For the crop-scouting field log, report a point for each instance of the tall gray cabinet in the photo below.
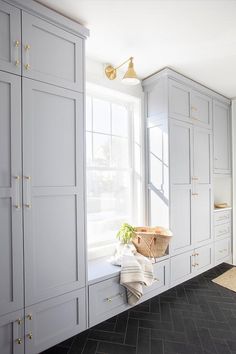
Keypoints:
(180, 115)
(42, 239)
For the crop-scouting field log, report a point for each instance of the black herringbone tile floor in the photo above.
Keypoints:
(197, 317)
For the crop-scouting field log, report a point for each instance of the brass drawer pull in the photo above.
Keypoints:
(109, 299)
(19, 341)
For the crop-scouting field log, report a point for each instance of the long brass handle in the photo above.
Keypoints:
(27, 57)
(17, 192)
(28, 194)
(17, 59)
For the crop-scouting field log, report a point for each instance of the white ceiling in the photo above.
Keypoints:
(195, 37)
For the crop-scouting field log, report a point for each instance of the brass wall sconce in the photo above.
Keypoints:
(130, 76)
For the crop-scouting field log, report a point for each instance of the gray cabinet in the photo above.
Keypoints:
(222, 137)
(201, 109)
(52, 321)
(11, 238)
(51, 54)
(12, 333)
(53, 191)
(10, 43)
(42, 249)
(189, 105)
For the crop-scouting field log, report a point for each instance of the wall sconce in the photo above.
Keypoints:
(130, 76)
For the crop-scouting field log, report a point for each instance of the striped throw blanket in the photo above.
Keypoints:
(136, 272)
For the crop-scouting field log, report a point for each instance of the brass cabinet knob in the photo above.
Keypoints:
(28, 206)
(195, 178)
(27, 66)
(109, 299)
(17, 62)
(29, 317)
(17, 177)
(28, 177)
(194, 193)
(17, 206)
(19, 341)
(27, 47)
(17, 44)
(30, 335)
(19, 321)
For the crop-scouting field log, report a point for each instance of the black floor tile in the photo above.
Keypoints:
(196, 317)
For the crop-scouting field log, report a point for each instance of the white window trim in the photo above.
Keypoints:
(133, 104)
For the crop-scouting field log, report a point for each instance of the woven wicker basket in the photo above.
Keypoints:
(152, 241)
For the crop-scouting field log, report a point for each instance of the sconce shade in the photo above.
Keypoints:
(130, 76)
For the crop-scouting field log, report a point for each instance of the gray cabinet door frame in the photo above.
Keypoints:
(222, 139)
(33, 192)
(11, 42)
(37, 63)
(10, 189)
(53, 321)
(13, 329)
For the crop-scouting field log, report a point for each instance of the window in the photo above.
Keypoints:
(113, 168)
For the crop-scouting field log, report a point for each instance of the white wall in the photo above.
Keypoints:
(234, 176)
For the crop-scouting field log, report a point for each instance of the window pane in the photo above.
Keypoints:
(120, 152)
(119, 120)
(108, 204)
(101, 150)
(101, 116)
(88, 113)
(89, 152)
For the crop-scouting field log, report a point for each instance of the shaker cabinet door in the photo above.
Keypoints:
(12, 333)
(179, 101)
(11, 237)
(202, 204)
(201, 109)
(222, 138)
(51, 54)
(53, 321)
(10, 39)
(202, 156)
(53, 191)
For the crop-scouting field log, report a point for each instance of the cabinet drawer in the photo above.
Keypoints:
(203, 258)
(222, 230)
(162, 276)
(106, 299)
(222, 249)
(181, 267)
(222, 217)
(52, 321)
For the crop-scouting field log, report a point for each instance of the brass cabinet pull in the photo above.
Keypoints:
(193, 108)
(19, 321)
(28, 203)
(109, 299)
(27, 47)
(17, 192)
(30, 335)
(17, 45)
(27, 66)
(194, 193)
(195, 178)
(19, 341)
(29, 317)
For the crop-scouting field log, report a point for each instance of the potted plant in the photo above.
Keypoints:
(126, 233)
